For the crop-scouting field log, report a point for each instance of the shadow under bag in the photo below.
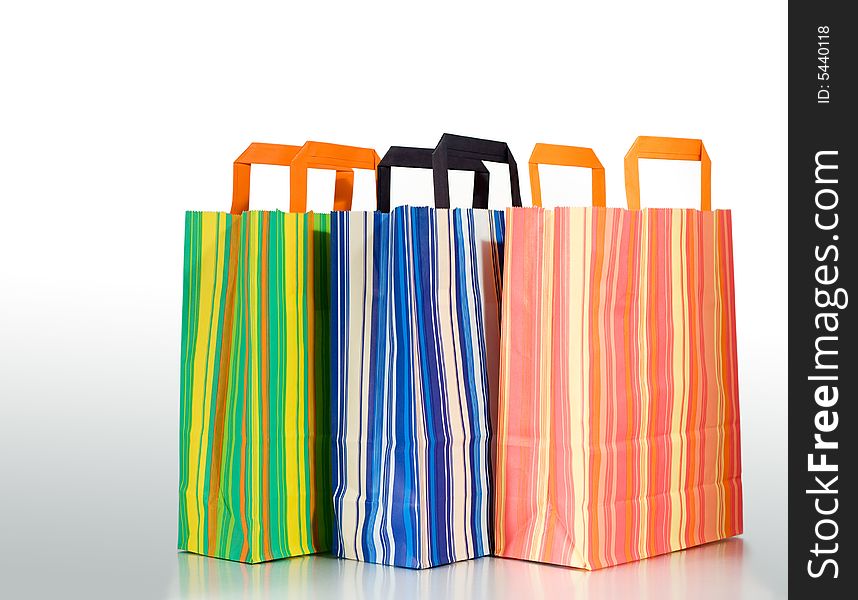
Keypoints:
(414, 331)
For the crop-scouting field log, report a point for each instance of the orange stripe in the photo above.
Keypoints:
(223, 383)
(629, 537)
(595, 385)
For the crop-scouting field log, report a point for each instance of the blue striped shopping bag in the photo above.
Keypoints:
(415, 327)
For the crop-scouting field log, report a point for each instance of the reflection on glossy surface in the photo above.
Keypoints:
(326, 577)
(712, 571)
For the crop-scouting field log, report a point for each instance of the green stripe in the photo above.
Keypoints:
(302, 272)
(278, 542)
(322, 290)
(184, 391)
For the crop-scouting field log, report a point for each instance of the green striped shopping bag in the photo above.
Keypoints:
(254, 443)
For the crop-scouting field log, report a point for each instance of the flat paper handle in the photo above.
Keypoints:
(566, 156)
(668, 149)
(282, 156)
(460, 146)
(421, 158)
(321, 155)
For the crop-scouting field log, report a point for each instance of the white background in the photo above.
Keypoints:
(115, 118)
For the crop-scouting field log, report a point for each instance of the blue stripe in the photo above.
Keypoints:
(339, 370)
(376, 395)
(405, 499)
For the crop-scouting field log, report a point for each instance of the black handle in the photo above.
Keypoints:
(452, 147)
(421, 158)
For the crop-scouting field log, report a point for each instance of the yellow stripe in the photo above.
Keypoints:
(301, 377)
(293, 345)
(198, 394)
(220, 233)
(678, 391)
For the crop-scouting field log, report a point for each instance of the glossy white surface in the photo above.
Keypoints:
(719, 570)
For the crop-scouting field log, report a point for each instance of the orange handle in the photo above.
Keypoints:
(321, 155)
(668, 149)
(566, 156)
(279, 155)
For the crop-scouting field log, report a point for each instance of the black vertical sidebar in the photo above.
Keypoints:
(823, 432)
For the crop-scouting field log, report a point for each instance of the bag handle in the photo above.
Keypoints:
(668, 149)
(460, 146)
(321, 155)
(421, 158)
(566, 156)
(280, 155)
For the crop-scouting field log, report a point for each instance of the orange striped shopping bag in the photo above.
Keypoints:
(618, 427)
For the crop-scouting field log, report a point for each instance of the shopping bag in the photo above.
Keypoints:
(618, 427)
(254, 439)
(414, 342)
